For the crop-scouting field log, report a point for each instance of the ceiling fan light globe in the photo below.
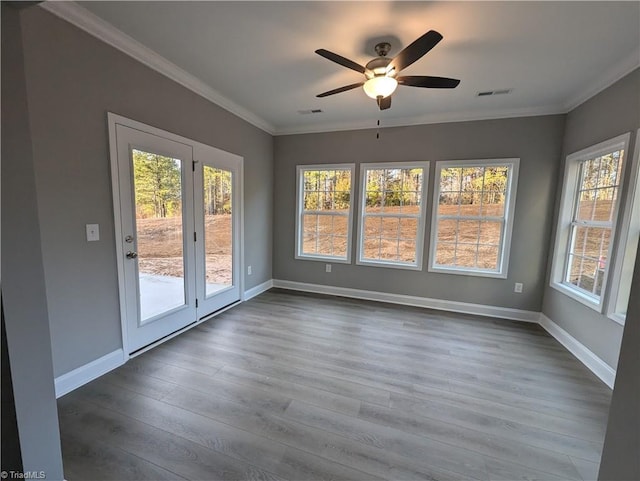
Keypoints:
(380, 87)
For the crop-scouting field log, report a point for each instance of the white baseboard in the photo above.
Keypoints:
(84, 374)
(596, 365)
(257, 290)
(443, 305)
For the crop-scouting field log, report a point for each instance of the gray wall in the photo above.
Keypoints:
(23, 288)
(620, 460)
(537, 141)
(612, 112)
(73, 80)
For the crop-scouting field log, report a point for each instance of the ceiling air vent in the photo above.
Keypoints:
(488, 93)
(310, 111)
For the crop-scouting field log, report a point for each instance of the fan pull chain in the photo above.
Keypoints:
(378, 130)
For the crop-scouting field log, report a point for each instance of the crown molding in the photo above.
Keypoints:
(95, 26)
(439, 118)
(610, 76)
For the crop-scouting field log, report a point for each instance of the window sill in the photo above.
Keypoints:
(391, 265)
(335, 260)
(618, 318)
(468, 272)
(576, 295)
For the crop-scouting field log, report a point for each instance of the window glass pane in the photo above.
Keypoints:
(391, 212)
(586, 274)
(586, 205)
(591, 242)
(340, 225)
(390, 227)
(325, 244)
(158, 191)
(311, 201)
(487, 257)
(218, 228)
(609, 170)
(450, 180)
(490, 233)
(468, 231)
(373, 201)
(493, 203)
(408, 228)
(391, 199)
(470, 203)
(326, 191)
(407, 251)
(309, 244)
(340, 245)
(473, 238)
(389, 249)
(466, 255)
(309, 223)
(449, 203)
(372, 226)
(605, 200)
(447, 230)
(445, 255)
(371, 248)
(590, 174)
(470, 178)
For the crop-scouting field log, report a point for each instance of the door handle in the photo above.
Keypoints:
(132, 255)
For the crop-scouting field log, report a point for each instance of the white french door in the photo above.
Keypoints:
(178, 227)
(217, 201)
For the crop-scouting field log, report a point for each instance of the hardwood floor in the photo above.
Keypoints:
(291, 386)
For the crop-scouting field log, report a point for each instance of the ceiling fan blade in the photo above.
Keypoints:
(428, 82)
(340, 89)
(415, 50)
(385, 103)
(339, 59)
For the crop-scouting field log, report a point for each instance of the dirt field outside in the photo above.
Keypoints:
(160, 247)
(467, 243)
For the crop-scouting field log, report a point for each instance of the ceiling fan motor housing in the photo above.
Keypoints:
(378, 68)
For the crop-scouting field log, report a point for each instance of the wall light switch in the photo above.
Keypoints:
(327, 267)
(518, 287)
(249, 270)
(93, 232)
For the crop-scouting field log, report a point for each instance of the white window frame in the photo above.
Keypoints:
(565, 218)
(627, 246)
(300, 169)
(417, 265)
(509, 207)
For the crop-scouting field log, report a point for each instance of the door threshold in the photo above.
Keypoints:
(166, 338)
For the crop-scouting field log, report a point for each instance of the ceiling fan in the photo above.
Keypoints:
(381, 73)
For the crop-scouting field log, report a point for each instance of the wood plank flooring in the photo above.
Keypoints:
(292, 386)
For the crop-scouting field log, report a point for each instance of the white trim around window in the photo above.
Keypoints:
(324, 212)
(627, 246)
(472, 236)
(574, 222)
(391, 220)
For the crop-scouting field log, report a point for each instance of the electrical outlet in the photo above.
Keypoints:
(518, 287)
(327, 267)
(249, 271)
(93, 232)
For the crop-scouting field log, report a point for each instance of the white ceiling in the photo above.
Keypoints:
(257, 58)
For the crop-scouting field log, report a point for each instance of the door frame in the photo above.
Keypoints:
(116, 187)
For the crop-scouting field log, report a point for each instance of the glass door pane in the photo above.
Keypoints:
(218, 229)
(159, 233)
